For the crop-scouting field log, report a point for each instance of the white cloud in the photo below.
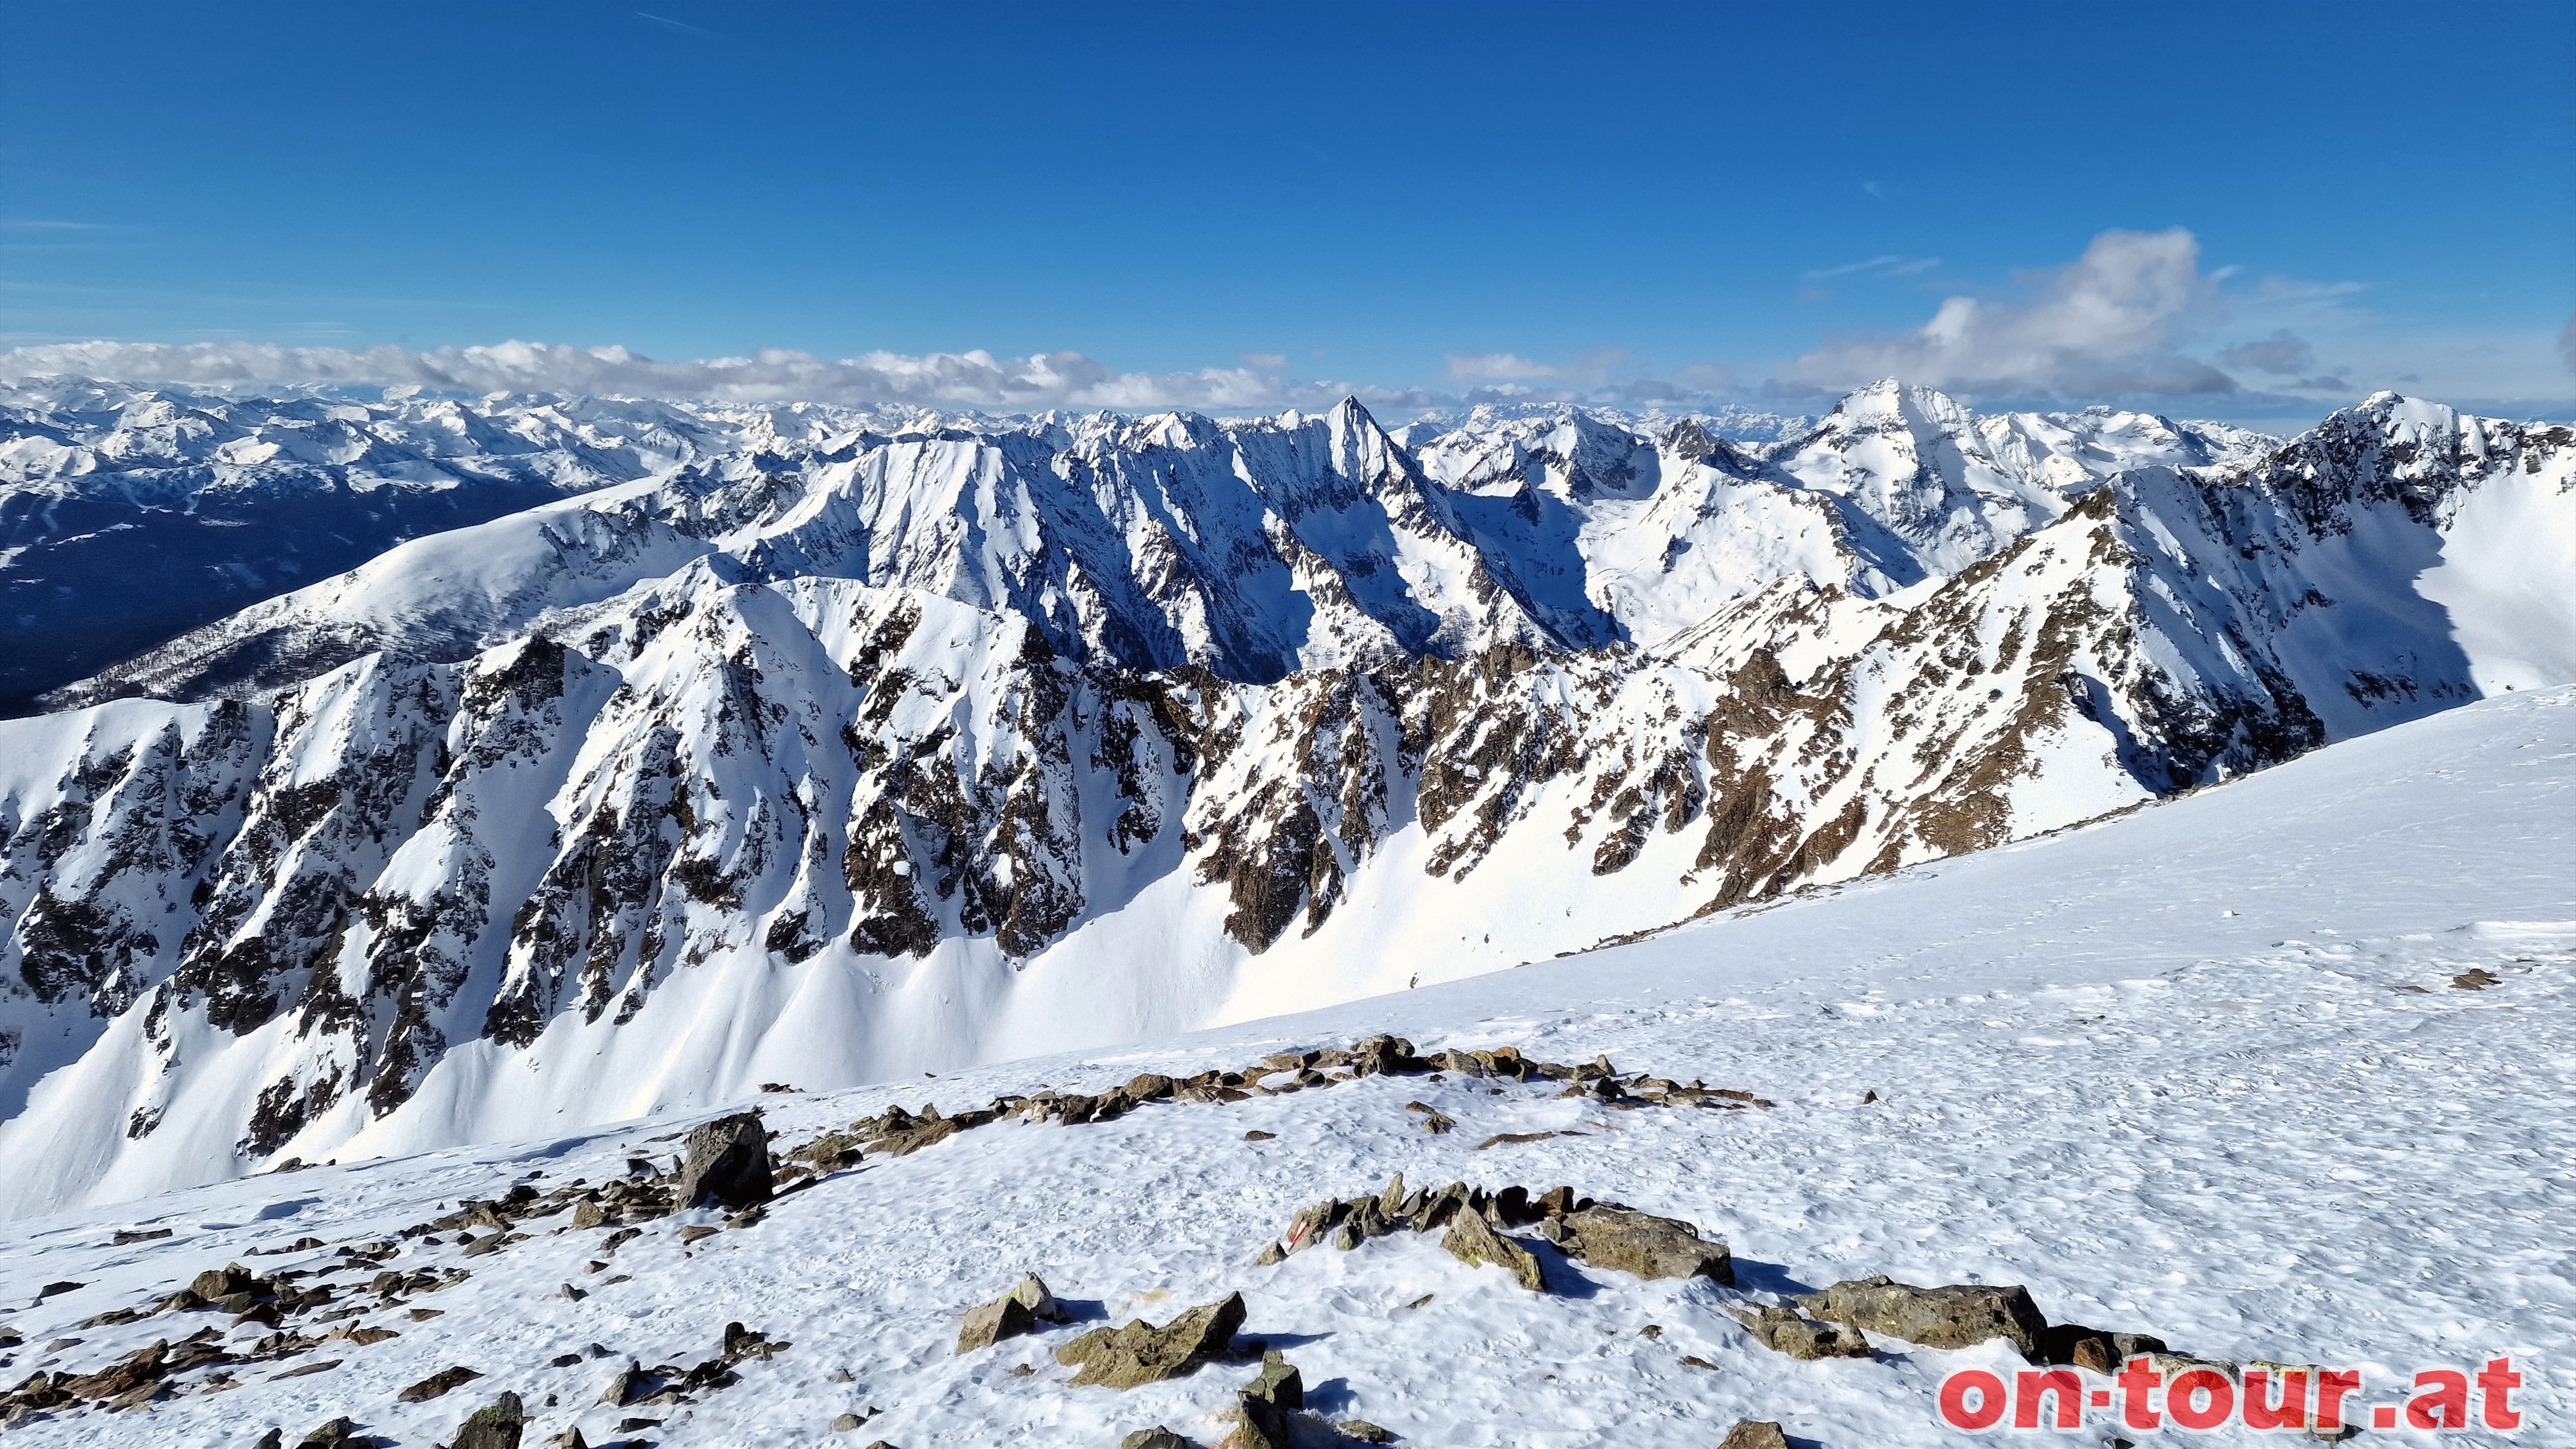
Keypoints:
(1499, 367)
(1890, 266)
(957, 379)
(2106, 323)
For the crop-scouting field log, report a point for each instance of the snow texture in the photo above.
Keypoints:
(2200, 1071)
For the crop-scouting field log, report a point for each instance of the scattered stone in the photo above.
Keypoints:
(273, 1439)
(1004, 1317)
(1123, 1358)
(1784, 1331)
(1472, 1242)
(570, 1438)
(725, 1161)
(1506, 1139)
(1695, 1361)
(51, 1290)
(1271, 1256)
(1754, 1434)
(1956, 1316)
(438, 1383)
(625, 1388)
(1364, 1432)
(1264, 1406)
(219, 1283)
(695, 1234)
(496, 1425)
(844, 1423)
(339, 1433)
(1255, 1135)
(324, 1366)
(1157, 1437)
(1648, 1246)
(2476, 978)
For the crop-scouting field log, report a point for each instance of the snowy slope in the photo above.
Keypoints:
(2201, 1071)
(223, 501)
(857, 769)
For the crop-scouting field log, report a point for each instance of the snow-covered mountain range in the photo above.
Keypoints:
(829, 748)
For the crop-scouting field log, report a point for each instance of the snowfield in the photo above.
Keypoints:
(2200, 1071)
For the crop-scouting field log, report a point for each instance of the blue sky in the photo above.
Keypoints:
(2231, 211)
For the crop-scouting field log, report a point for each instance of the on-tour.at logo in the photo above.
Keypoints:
(2316, 1400)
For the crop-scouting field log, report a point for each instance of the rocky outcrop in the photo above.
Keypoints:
(1958, 1316)
(1140, 1353)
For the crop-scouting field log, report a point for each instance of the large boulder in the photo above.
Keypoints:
(725, 1161)
(1956, 1316)
(1140, 1353)
(1648, 1246)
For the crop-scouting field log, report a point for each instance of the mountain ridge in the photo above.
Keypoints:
(784, 782)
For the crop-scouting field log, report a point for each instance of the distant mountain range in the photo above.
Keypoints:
(887, 742)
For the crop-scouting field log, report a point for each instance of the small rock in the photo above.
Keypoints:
(1263, 1407)
(1754, 1434)
(568, 1439)
(1123, 1358)
(626, 1387)
(1157, 1437)
(691, 1235)
(438, 1383)
(725, 1161)
(2476, 978)
(1364, 1431)
(575, 1294)
(589, 1214)
(339, 1433)
(273, 1439)
(1271, 1256)
(1470, 1240)
(846, 1422)
(1255, 1135)
(1783, 1331)
(1004, 1317)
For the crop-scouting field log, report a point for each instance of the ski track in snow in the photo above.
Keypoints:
(2198, 1072)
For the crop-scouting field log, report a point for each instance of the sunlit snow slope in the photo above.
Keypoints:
(2205, 1071)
